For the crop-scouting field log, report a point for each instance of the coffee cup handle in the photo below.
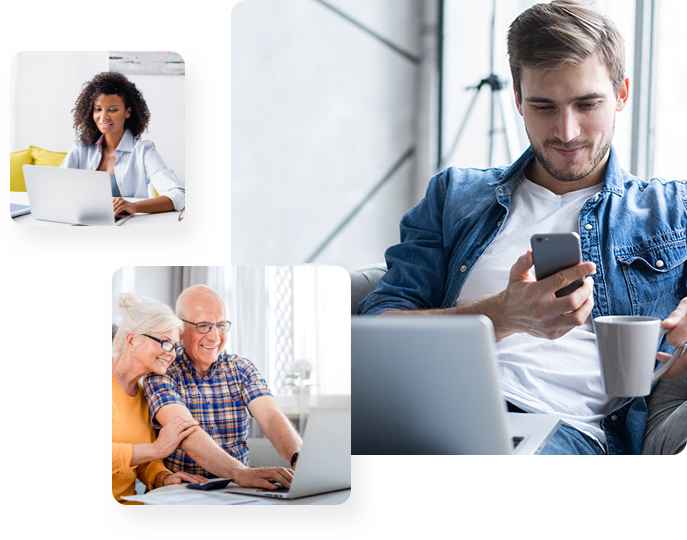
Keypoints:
(677, 354)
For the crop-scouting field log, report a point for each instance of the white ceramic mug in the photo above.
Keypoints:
(627, 348)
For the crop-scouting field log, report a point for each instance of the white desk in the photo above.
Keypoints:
(163, 218)
(167, 495)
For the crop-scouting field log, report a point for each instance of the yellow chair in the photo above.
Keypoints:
(152, 192)
(32, 156)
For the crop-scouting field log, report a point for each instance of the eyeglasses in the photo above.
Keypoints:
(205, 327)
(167, 345)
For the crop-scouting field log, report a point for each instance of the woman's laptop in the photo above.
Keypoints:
(324, 461)
(72, 196)
(429, 385)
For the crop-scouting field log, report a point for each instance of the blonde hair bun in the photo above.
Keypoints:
(128, 301)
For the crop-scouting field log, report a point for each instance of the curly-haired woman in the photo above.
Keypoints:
(109, 117)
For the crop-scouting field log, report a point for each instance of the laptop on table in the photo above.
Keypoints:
(74, 196)
(429, 386)
(324, 462)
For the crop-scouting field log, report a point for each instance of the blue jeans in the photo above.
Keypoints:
(566, 441)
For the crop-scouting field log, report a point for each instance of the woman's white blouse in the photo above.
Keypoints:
(137, 164)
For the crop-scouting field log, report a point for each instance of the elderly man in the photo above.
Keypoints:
(215, 388)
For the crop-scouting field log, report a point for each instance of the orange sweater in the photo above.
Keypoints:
(130, 425)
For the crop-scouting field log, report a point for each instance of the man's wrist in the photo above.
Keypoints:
(499, 317)
(294, 458)
(160, 478)
(235, 469)
(493, 307)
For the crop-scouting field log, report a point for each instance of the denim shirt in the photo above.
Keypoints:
(633, 230)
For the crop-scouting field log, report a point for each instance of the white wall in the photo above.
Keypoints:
(320, 112)
(44, 89)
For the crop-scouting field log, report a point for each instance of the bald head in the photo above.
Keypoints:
(197, 295)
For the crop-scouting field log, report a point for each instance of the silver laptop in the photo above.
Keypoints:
(71, 196)
(324, 462)
(429, 385)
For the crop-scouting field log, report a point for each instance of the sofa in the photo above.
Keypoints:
(44, 158)
(32, 156)
(363, 282)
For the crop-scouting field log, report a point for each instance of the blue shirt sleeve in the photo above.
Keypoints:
(416, 274)
(253, 385)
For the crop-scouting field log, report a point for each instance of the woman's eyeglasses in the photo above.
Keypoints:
(167, 345)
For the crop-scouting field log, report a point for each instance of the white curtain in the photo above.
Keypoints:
(184, 277)
(321, 329)
(245, 294)
(123, 280)
(321, 323)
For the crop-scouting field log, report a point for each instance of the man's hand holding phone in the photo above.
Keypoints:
(531, 306)
(548, 307)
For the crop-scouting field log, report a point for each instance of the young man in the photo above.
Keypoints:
(458, 244)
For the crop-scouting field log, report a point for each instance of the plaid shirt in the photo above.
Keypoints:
(217, 401)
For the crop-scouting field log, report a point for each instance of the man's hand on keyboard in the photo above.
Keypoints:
(263, 477)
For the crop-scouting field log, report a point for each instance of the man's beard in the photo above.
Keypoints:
(570, 175)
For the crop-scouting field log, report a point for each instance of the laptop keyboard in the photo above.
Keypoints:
(280, 489)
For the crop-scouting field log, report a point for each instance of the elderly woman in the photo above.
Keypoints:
(145, 342)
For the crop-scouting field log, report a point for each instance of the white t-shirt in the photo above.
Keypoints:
(560, 376)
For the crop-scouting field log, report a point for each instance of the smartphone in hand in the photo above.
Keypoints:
(555, 252)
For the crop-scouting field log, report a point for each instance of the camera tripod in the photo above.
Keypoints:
(499, 99)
